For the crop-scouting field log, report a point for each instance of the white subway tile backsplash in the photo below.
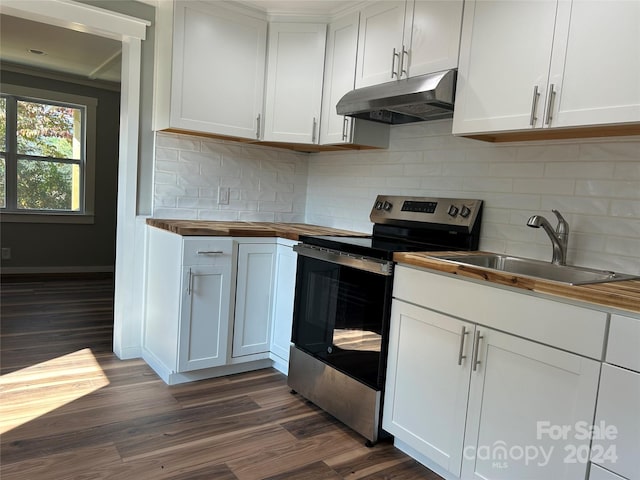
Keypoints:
(178, 142)
(516, 170)
(254, 175)
(595, 183)
(568, 204)
(591, 170)
(625, 208)
(627, 171)
(609, 188)
(544, 186)
(610, 151)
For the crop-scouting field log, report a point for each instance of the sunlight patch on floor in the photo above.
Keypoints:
(34, 391)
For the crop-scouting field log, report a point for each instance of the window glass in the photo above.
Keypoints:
(3, 182)
(3, 124)
(48, 185)
(49, 130)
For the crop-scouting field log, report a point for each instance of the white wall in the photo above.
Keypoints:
(595, 183)
(266, 184)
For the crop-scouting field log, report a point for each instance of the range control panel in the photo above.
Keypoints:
(443, 211)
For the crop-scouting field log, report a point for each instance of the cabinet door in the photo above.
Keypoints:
(522, 395)
(428, 382)
(595, 67)
(218, 70)
(286, 266)
(204, 316)
(432, 36)
(294, 82)
(380, 43)
(505, 53)
(618, 401)
(254, 294)
(339, 78)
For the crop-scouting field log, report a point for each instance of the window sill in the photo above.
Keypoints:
(15, 217)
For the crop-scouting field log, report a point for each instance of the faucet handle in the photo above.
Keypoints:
(563, 226)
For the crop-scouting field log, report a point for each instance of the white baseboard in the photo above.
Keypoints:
(60, 269)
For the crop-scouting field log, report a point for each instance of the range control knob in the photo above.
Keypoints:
(378, 205)
(465, 212)
(387, 206)
(453, 210)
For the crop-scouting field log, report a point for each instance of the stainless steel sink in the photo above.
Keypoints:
(527, 267)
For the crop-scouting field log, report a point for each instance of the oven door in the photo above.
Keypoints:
(341, 312)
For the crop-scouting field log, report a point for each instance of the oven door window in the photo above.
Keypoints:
(340, 315)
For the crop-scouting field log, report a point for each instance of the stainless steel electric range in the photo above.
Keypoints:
(343, 302)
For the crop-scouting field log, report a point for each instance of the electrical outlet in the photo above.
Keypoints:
(6, 253)
(223, 195)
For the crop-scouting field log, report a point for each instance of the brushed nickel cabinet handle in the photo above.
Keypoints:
(476, 347)
(552, 97)
(462, 335)
(258, 128)
(534, 106)
(209, 252)
(393, 63)
(314, 128)
(345, 122)
(189, 289)
(403, 70)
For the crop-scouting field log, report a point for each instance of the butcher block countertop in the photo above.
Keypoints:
(624, 295)
(291, 231)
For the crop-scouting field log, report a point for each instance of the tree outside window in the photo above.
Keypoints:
(42, 162)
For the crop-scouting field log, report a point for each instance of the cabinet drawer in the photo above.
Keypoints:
(207, 250)
(624, 340)
(618, 401)
(569, 327)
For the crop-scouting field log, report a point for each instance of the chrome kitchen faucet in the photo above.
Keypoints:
(559, 237)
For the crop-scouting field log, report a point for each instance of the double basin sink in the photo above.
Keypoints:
(526, 267)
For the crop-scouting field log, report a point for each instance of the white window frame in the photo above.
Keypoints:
(86, 215)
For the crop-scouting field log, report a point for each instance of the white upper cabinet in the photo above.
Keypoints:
(405, 39)
(380, 43)
(504, 65)
(217, 73)
(339, 77)
(294, 82)
(595, 67)
(431, 36)
(547, 63)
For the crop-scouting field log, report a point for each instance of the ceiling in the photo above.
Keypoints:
(97, 58)
(63, 50)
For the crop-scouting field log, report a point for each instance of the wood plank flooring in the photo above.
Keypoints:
(69, 409)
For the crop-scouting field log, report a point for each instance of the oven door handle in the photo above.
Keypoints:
(359, 262)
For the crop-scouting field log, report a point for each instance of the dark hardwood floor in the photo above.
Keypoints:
(71, 410)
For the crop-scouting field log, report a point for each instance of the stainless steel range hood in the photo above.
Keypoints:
(416, 99)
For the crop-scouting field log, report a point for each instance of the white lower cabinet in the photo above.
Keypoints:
(217, 305)
(286, 266)
(254, 297)
(188, 303)
(204, 316)
(522, 394)
(473, 402)
(428, 382)
(616, 443)
(598, 473)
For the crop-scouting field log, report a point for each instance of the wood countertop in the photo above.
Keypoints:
(291, 231)
(624, 295)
